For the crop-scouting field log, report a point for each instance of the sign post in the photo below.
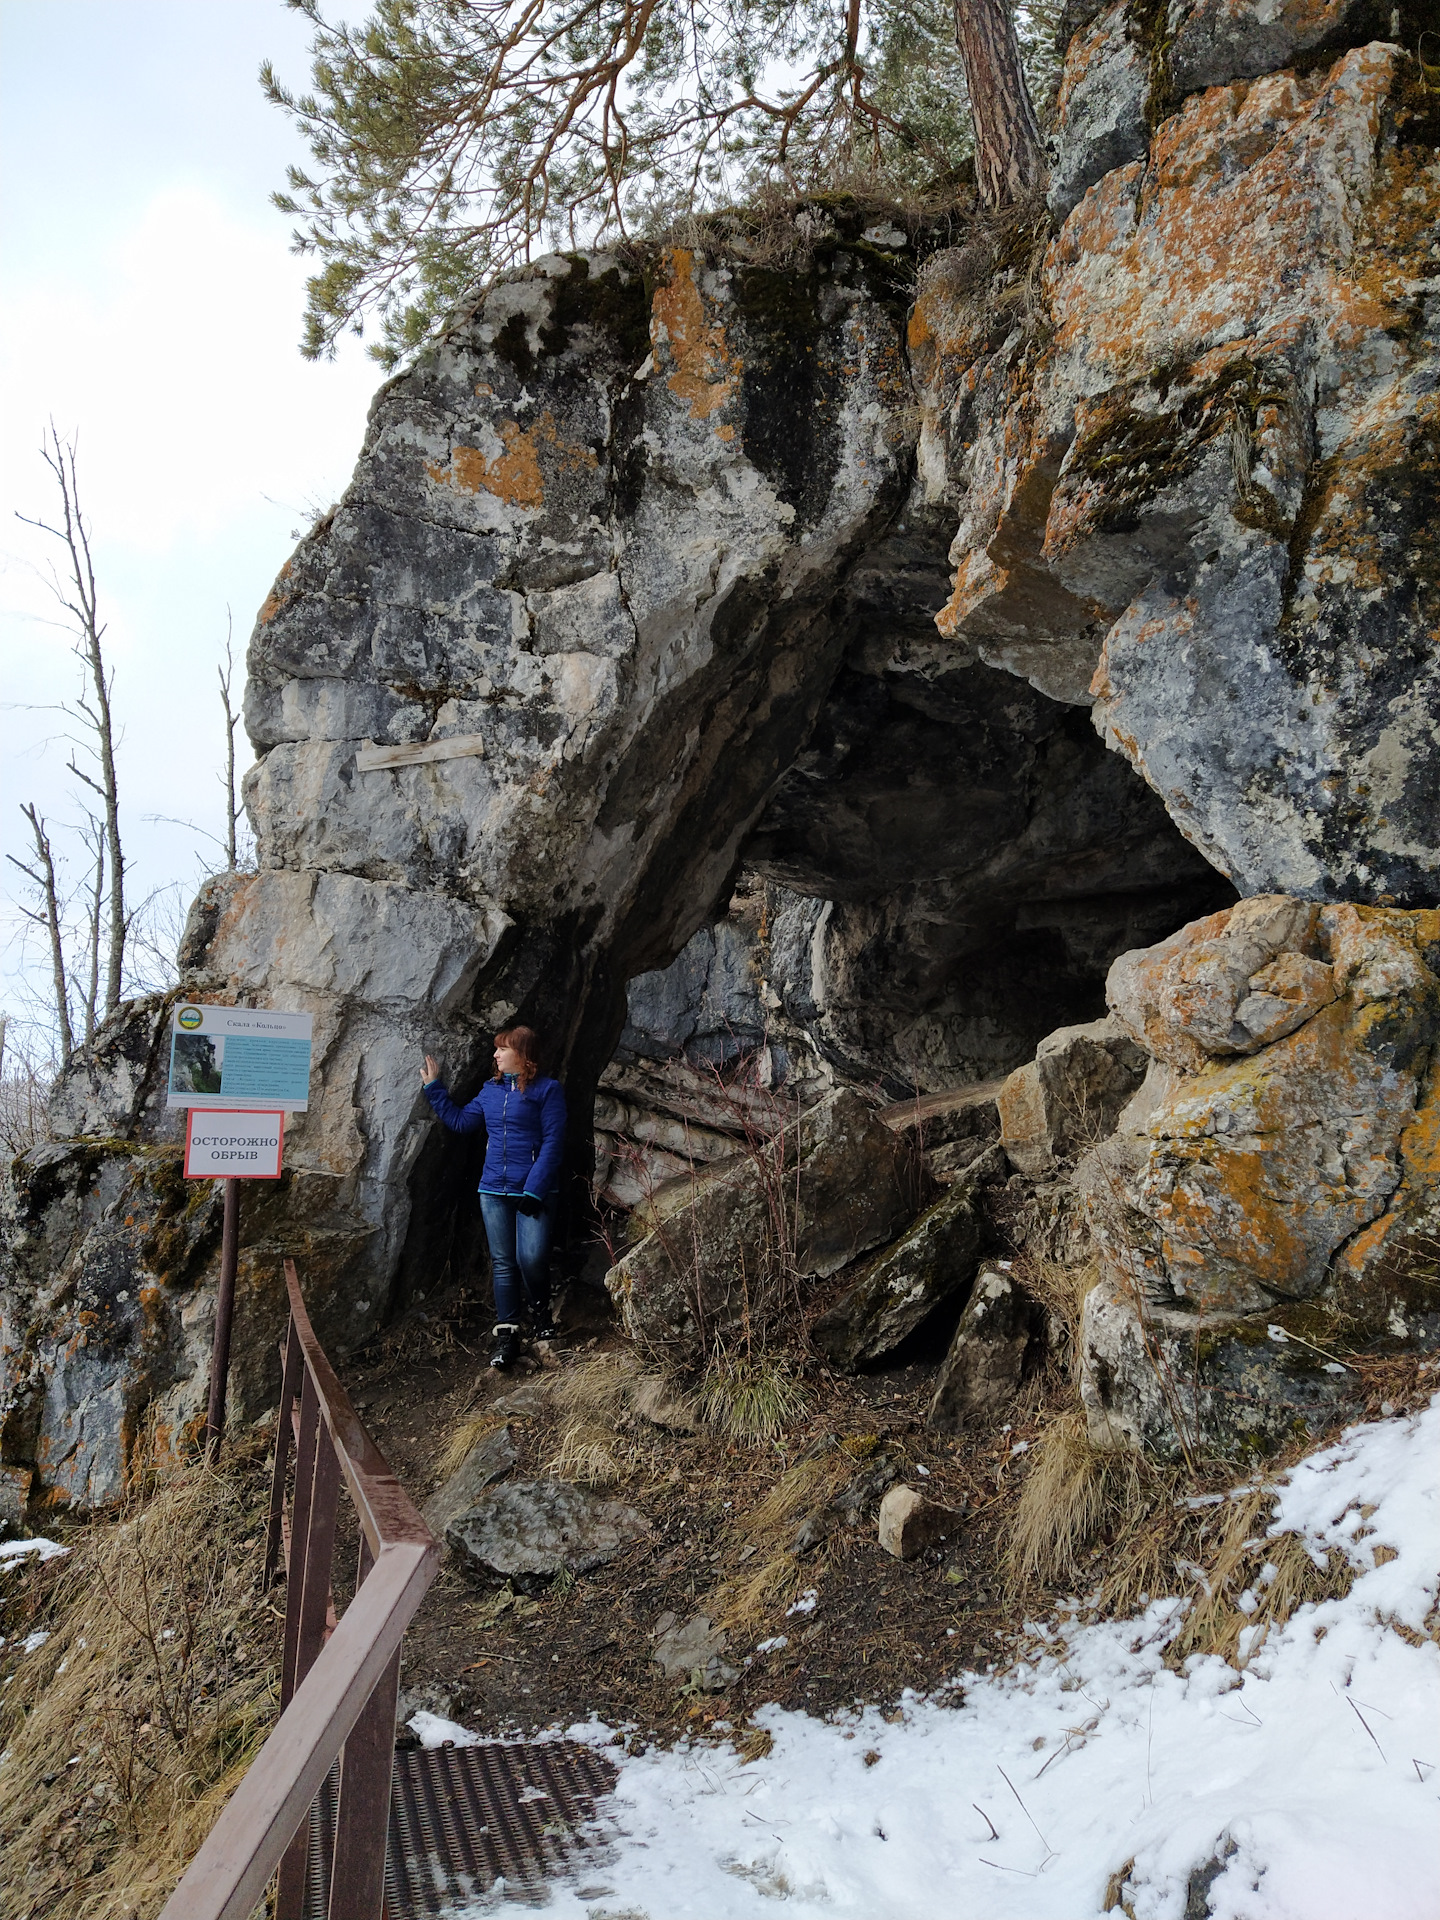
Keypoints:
(239, 1070)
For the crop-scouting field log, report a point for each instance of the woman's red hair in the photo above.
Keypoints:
(526, 1042)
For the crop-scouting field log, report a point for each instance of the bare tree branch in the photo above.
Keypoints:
(49, 916)
(232, 720)
(81, 600)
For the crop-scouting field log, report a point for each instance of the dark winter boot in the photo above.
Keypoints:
(507, 1344)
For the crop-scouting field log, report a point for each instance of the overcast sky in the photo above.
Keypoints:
(149, 302)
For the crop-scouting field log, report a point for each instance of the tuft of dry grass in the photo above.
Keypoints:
(128, 1730)
(598, 1388)
(598, 1444)
(748, 1603)
(1129, 1530)
(1061, 1291)
(752, 1400)
(1071, 1492)
(596, 1455)
(806, 1485)
(462, 1441)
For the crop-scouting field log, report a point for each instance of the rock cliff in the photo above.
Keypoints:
(996, 597)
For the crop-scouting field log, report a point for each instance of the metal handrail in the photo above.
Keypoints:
(340, 1681)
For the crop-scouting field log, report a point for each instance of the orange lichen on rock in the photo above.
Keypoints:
(512, 476)
(275, 599)
(515, 475)
(1159, 258)
(1259, 1158)
(706, 373)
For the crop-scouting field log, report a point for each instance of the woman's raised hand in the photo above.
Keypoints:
(430, 1071)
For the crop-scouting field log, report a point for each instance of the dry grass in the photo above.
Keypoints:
(127, 1731)
(598, 1389)
(800, 1489)
(1071, 1493)
(746, 1604)
(1128, 1530)
(753, 1400)
(1275, 1575)
(462, 1442)
(1061, 1291)
(598, 1444)
(597, 1455)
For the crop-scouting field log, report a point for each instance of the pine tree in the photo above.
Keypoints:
(453, 138)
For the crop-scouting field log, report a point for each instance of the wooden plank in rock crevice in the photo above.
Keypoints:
(416, 753)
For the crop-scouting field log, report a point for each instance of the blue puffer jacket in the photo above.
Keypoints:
(525, 1131)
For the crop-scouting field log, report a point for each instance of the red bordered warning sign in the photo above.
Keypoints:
(222, 1145)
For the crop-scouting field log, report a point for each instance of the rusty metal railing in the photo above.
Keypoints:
(340, 1678)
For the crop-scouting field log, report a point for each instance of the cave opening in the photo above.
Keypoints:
(942, 875)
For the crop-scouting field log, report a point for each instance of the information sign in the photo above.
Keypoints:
(233, 1146)
(247, 1059)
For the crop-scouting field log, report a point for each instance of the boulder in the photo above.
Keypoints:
(999, 1332)
(930, 1264)
(693, 1652)
(1243, 1166)
(1069, 1096)
(934, 1120)
(1168, 1382)
(490, 1459)
(724, 1244)
(909, 1522)
(532, 1530)
(1229, 983)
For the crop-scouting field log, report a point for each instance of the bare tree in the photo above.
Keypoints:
(1009, 152)
(48, 915)
(76, 592)
(232, 720)
(93, 835)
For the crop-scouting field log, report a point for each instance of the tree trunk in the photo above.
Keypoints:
(1009, 152)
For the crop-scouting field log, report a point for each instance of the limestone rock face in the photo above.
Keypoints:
(1069, 1096)
(1205, 504)
(635, 585)
(1101, 109)
(927, 1266)
(1213, 41)
(837, 1180)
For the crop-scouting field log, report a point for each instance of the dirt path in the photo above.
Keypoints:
(500, 1661)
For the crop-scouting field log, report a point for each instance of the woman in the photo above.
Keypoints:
(523, 1114)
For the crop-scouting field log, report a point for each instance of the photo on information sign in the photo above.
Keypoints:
(196, 1063)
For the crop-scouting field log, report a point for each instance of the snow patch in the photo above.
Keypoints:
(1309, 1780)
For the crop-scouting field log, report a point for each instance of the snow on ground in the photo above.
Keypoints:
(19, 1549)
(1319, 1765)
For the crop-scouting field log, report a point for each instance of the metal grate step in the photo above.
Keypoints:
(463, 1819)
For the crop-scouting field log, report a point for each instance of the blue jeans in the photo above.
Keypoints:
(519, 1254)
